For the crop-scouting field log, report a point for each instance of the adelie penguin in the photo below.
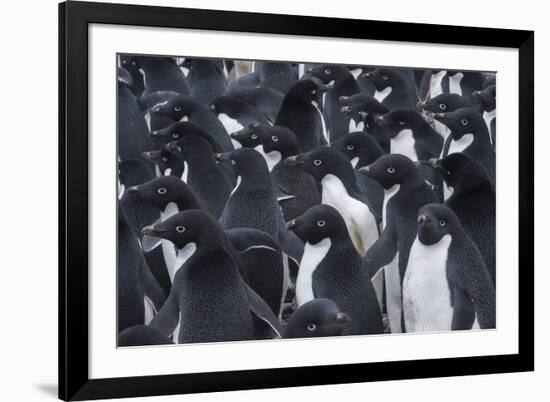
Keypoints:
(446, 285)
(316, 318)
(331, 268)
(209, 301)
(469, 135)
(487, 98)
(206, 78)
(344, 84)
(300, 113)
(130, 65)
(473, 201)
(392, 89)
(339, 189)
(405, 192)
(186, 109)
(161, 75)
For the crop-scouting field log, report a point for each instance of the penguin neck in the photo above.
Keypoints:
(347, 176)
(272, 158)
(255, 179)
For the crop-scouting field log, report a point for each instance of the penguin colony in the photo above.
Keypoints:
(266, 200)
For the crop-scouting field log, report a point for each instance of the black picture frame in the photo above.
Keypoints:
(74, 18)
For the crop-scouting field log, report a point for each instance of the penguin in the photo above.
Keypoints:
(446, 285)
(252, 202)
(331, 268)
(487, 99)
(249, 80)
(441, 104)
(266, 101)
(365, 86)
(235, 114)
(363, 112)
(275, 75)
(186, 109)
(160, 74)
(339, 189)
(148, 102)
(142, 335)
(316, 318)
(405, 192)
(209, 301)
(129, 65)
(344, 84)
(206, 78)
(464, 83)
(182, 129)
(473, 201)
(166, 163)
(296, 190)
(470, 136)
(202, 174)
(362, 150)
(392, 90)
(300, 113)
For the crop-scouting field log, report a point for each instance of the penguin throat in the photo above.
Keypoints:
(461, 144)
(272, 158)
(313, 255)
(354, 161)
(170, 209)
(182, 255)
(231, 125)
(383, 94)
(403, 143)
(388, 194)
(355, 126)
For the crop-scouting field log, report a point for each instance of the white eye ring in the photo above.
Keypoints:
(390, 170)
(213, 107)
(233, 162)
(175, 135)
(133, 63)
(321, 223)
(313, 91)
(311, 327)
(161, 191)
(124, 61)
(317, 162)
(401, 123)
(254, 136)
(328, 71)
(275, 138)
(442, 223)
(180, 229)
(385, 77)
(442, 106)
(350, 147)
(177, 108)
(464, 122)
(165, 158)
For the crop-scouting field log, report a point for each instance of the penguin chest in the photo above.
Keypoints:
(231, 125)
(489, 117)
(383, 94)
(355, 125)
(272, 158)
(460, 145)
(359, 219)
(312, 257)
(403, 143)
(388, 195)
(426, 292)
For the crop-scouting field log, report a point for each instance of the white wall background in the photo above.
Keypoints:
(28, 157)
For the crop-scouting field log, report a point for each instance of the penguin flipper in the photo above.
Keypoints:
(463, 310)
(167, 318)
(151, 287)
(380, 253)
(261, 310)
(140, 335)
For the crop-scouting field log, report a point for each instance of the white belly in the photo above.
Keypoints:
(312, 257)
(435, 84)
(231, 125)
(383, 94)
(359, 219)
(442, 129)
(489, 117)
(454, 84)
(388, 194)
(149, 310)
(323, 124)
(393, 294)
(426, 293)
(185, 173)
(403, 143)
(461, 144)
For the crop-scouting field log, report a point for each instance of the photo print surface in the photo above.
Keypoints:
(264, 200)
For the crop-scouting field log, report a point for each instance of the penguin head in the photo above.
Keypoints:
(318, 317)
(125, 77)
(363, 106)
(443, 103)
(309, 90)
(243, 161)
(130, 64)
(278, 138)
(163, 190)
(462, 173)
(248, 137)
(487, 97)
(359, 145)
(190, 144)
(320, 162)
(383, 78)
(389, 170)
(328, 73)
(180, 130)
(436, 221)
(227, 105)
(162, 158)
(177, 108)
(317, 223)
(193, 226)
(462, 121)
(400, 119)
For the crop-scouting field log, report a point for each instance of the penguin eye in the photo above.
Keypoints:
(175, 135)
(390, 170)
(401, 123)
(313, 91)
(179, 149)
(161, 191)
(464, 122)
(328, 71)
(350, 147)
(180, 229)
(311, 327)
(442, 223)
(133, 63)
(317, 162)
(177, 108)
(123, 61)
(254, 136)
(275, 138)
(165, 158)
(213, 107)
(233, 162)
(321, 223)
(442, 106)
(385, 77)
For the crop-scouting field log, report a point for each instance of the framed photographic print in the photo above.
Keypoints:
(257, 201)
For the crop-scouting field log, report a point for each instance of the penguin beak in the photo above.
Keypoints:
(172, 146)
(342, 318)
(343, 99)
(442, 117)
(152, 231)
(147, 155)
(436, 163)
(310, 70)
(422, 220)
(421, 105)
(294, 160)
(365, 171)
(221, 157)
(345, 109)
(476, 93)
(326, 87)
(368, 76)
(290, 224)
(380, 120)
